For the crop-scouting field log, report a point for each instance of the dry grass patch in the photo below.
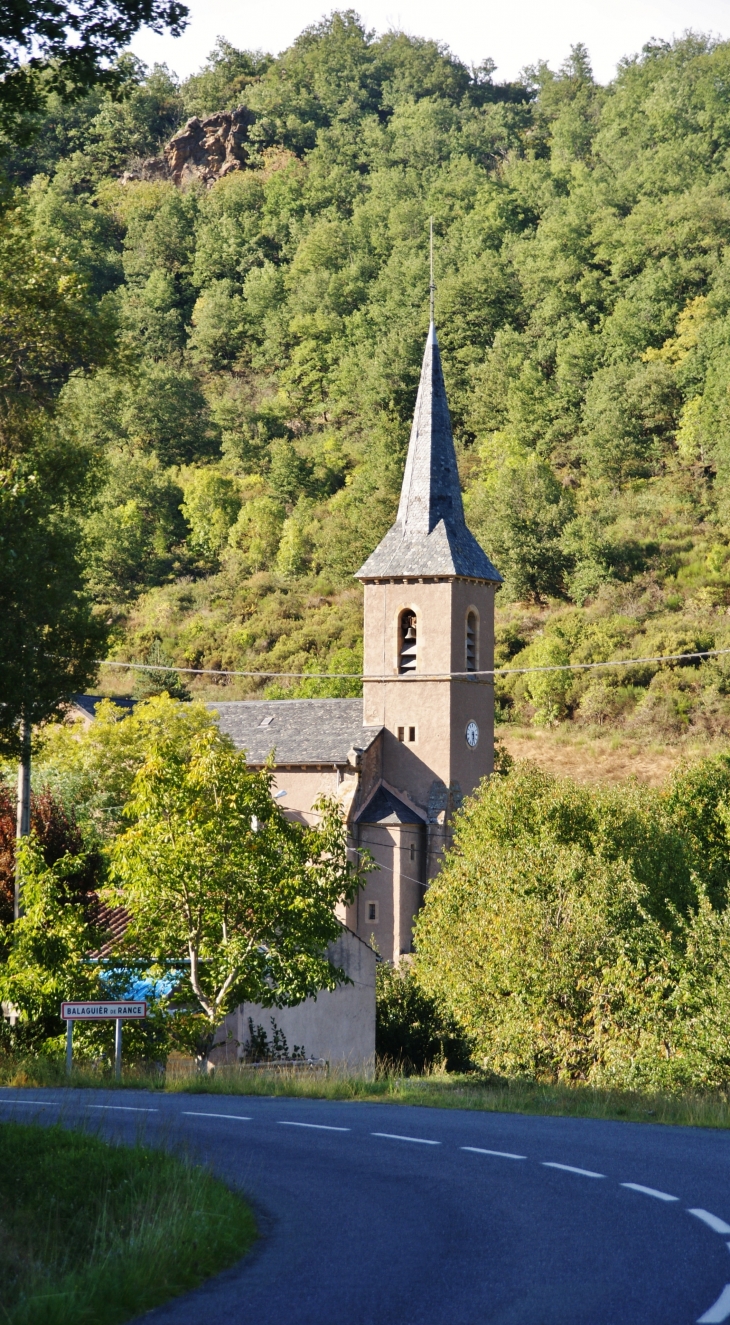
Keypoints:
(606, 759)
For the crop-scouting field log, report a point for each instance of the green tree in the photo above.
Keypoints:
(214, 876)
(219, 328)
(571, 935)
(74, 46)
(410, 1032)
(256, 534)
(93, 767)
(133, 529)
(630, 413)
(159, 677)
(224, 80)
(211, 508)
(530, 509)
(50, 324)
(50, 640)
(547, 690)
(45, 952)
(48, 956)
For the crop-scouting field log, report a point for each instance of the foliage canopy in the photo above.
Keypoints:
(248, 438)
(582, 935)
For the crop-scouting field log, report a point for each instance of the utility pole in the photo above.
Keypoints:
(23, 820)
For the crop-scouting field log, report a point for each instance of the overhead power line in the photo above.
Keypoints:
(214, 671)
(688, 656)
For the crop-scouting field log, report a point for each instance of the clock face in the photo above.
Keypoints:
(472, 734)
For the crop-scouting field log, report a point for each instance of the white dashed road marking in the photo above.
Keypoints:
(712, 1221)
(123, 1108)
(568, 1168)
(419, 1140)
(317, 1127)
(502, 1154)
(201, 1113)
(29, 1104)
(719, 1311)
(649, 1191)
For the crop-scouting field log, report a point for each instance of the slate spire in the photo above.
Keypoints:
(430, 536)
(430, 489)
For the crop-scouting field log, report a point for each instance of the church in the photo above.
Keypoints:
(401, 759)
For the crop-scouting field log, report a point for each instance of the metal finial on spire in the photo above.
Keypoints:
(432, 286)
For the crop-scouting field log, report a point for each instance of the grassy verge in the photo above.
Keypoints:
(439, 1091)
(469, 1092)
(93, 1234)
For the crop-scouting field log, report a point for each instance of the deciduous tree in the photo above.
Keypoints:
(73, 45)
(215, 878)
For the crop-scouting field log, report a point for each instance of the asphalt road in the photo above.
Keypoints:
(376, 1214)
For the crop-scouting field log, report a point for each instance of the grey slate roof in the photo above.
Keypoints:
(385, 808)
(300, 731)
(88, 704)
(430, 536)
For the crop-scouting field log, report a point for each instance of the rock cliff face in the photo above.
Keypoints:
(203, 150)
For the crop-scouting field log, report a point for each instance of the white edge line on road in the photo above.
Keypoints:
(569, 1168)
(197, 1113)
(502, 1154)
(649, 1191)
(712, 1221)
(36, 1104)
(123, 1108)
(317, 1127)
(719, 1310)
(419, 1140)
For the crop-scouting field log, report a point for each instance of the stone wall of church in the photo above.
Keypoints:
(383, 912)
(425, 713)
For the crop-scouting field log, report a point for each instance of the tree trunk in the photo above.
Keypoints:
(23, 820)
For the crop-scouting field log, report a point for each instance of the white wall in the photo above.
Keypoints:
(337, 1025)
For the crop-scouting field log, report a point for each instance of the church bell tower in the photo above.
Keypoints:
(429, 635)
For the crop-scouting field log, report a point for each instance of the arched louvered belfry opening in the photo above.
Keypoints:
(472, 641)
(407, 642)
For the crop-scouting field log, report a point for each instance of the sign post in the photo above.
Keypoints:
(118, 1048)
(118, 1012)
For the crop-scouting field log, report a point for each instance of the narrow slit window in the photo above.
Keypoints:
(411, 733)
(413, 851)
(407, 643)
(401, 733)
(372, 913)
(472, 642)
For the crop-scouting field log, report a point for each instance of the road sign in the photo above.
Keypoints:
(130, 1010)
(103, 1011)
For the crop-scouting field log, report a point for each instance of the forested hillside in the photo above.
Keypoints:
(248, 432)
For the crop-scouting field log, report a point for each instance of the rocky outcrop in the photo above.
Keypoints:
(203, 150)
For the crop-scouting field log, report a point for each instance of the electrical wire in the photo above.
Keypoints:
(214, 671)
(696, 654)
